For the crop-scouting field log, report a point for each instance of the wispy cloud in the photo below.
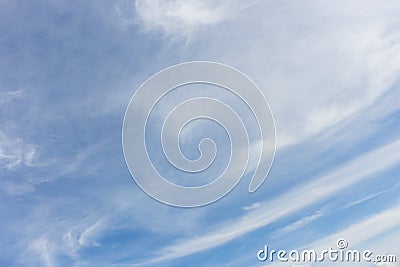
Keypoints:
(301, 222)
(289, 202)
(364, 230)
(15, 152)
(336, 68)
(88, 235)
(181, 18)
(44, 249)
(8, 96)
(324, 67)
(372, 196)
(253, 206)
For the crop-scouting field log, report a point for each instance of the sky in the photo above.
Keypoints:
(330, 71)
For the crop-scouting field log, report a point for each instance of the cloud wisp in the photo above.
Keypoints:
(181, 18)
(289, 202)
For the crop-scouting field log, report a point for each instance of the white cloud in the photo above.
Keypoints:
(180, 18)
(356, 202)
(81, 160)
(362, 231)
(9, 96)
(288, 202)
(316, 71)
(70, 244)
(300, 223)
(317, 64)
(15, 152)
(376, 233)
(45, 249)
(49, 247)
(88, 236)
(253, 206)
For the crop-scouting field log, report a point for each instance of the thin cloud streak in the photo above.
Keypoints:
(180, 19)
(364, 230)
(321, 188)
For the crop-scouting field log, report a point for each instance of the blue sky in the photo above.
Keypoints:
(330, 71)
